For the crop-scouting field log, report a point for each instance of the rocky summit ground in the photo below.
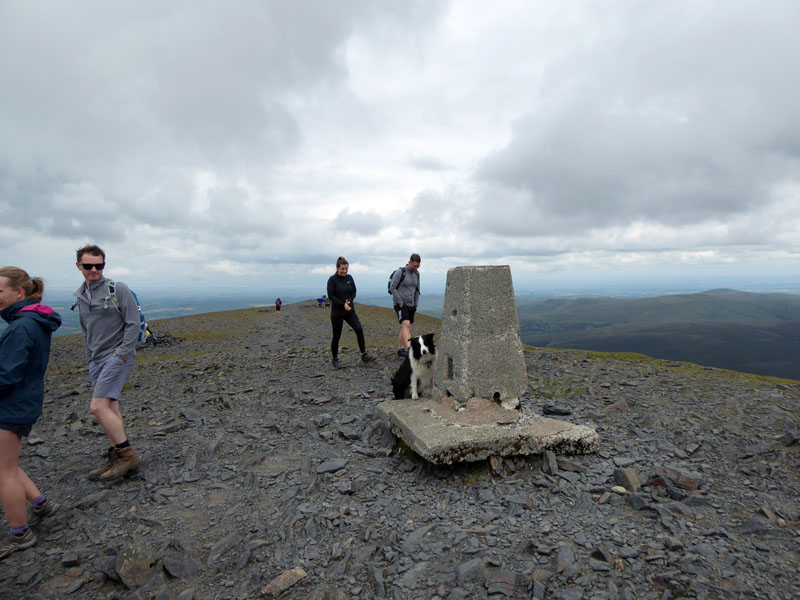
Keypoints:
(265, 473)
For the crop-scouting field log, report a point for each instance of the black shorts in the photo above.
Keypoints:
(405, 313)
(21, 429)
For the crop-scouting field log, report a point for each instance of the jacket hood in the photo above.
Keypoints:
(43, 314)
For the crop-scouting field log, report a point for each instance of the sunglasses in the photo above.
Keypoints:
(99, 266)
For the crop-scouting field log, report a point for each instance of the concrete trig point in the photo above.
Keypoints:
(480, 351)
(481, 365)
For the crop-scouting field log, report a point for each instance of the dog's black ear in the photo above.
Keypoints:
(427, 338)
(415, 343)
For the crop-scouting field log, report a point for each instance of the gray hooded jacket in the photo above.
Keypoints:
(106, 330)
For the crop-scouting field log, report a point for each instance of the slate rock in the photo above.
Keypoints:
(283, 582)
(72, 558)
(568, 465)
(549, 462)
(376, 576)
(754, 526)
(628, 478)
(502, 582)
(469, 570)
(552, 409)
(565, 557)
(222, 547)
(635, 501)
(331, 466)
(603, 552)
(135, 566)
(181, 567)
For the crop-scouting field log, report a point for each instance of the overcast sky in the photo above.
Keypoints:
(216, 144)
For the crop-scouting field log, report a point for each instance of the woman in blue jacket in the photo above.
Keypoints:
(24, 352)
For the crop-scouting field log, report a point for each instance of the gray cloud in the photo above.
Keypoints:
(674, 125)
(136, 102)
(221, 138)
(362, 223)
(427, 163)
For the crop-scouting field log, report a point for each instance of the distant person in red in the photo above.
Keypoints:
(342, 294)
(24, 354)
(278, 307)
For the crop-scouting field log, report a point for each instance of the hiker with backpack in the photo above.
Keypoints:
(111, 322)
(24, 354)
(404, 288)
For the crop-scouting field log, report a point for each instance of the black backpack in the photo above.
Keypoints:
(402, 276)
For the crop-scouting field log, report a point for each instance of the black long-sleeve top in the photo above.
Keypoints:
(339, 290)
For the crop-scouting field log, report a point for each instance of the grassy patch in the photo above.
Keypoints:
(630, 357)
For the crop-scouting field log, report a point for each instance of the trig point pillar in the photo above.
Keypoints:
(480, 350)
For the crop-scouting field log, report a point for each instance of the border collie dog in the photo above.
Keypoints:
(415, 375)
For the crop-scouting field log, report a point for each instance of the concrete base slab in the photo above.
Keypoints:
(442, 435)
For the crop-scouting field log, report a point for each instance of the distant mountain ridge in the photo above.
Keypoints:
(730, 329)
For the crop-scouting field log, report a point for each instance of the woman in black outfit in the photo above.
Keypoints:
(342, 292)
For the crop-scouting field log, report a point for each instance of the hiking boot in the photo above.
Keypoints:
(12, 543)
(111, 458)
(402, 353)
(37, 515)
(367, 357)
(335, 363)
(126, 459)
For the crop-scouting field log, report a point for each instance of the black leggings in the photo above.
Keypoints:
(352, 320)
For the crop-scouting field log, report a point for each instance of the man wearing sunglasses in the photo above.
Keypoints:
(110, 330)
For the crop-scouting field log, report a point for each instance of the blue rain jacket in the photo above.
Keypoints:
(24, 352)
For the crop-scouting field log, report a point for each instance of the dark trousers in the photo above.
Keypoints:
(352, 320)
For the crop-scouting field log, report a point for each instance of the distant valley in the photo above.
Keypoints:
(729, 329)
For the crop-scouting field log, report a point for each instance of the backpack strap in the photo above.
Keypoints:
(112, 293)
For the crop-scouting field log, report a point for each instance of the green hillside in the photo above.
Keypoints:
(742, 331)
(559, 315)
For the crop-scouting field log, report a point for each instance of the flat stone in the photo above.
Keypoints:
(71, 558)
(469, 570)
(603, 552)
(223, 546)
(755, 526)
(684, 479)
(135, 566)
(75, 586)
(635, 501)
(181, 567)
(431, 429)
(568, 465)
(569, 476)
(564, 558)
(556, 411)
(283, 582)
(502, 582)
(790, 437)
(331, 466)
